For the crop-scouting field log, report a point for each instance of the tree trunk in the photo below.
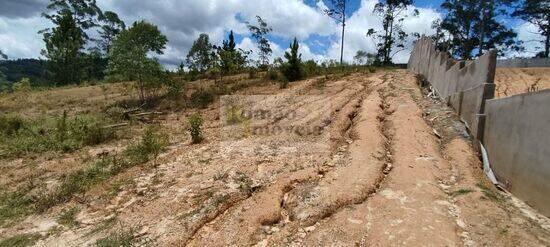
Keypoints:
(547, 45)
(482, 28)
(343, 33)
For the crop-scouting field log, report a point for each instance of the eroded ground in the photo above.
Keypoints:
(397, 170)
(512, 81)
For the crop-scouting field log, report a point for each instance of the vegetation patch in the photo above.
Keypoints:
(119, 238)
(20, 240)
(19, 136)
(152, 143)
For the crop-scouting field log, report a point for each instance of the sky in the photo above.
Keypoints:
(183, 20)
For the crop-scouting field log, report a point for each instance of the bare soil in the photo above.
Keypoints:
(512, 81)
(398, 170)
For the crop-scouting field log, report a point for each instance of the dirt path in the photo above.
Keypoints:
(385, 179)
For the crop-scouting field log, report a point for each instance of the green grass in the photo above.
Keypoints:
(120, 238)
(20, 240)
(13, 206)
(152, 143)
(489, 193)
(461, 192)
(67, 217)
(20, 136)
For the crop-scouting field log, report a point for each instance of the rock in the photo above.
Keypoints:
(309, 228)
(388, 168)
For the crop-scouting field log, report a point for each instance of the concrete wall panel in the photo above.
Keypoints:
(517, 140)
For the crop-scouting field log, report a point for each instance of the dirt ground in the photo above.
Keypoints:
(390, 167)
(512, 81)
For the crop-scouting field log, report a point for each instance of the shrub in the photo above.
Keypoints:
(371, 69)
(175, 90)
(24, 85)
(10, 124)
(273, 75)
(293, 68)
(152, 143)
(252, 73)
(283, 82)
(194, 128)
(202, 98)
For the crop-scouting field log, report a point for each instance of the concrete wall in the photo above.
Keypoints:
(517, 139)
(465, 85)
(524, 63)
(515, 131)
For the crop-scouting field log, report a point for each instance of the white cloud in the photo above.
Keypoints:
(531, 37)
(19, 37)
(364, 19)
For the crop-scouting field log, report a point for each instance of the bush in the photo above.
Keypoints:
(152, 143)
(273, 75)
(371, 69)
(18, 136)
(10, 124)
(175, 90)
(202, 98)
(194, 128)
(252, 73)
(24, 85)
(293, 68)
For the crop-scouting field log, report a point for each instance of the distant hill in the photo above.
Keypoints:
(33, 69)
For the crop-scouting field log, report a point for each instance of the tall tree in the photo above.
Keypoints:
(112, 26)
(391, 39)
(231, 59)
(128, 56)
(3, 81)
(201, 56)
(473, 25)
(537, 12)
(2, 55)
(338, 12)
(85, 14)
(63, 49)
(292, 68)
(259, 33)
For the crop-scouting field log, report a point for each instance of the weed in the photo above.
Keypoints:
(19, 136)
(202, 98)
(20, 240)
(152, 143)
(461, 192)
(67, 217)
(273, 75)
(14, 205)
(119, 238)
(489, 193)
(195, 124)
(150, 146)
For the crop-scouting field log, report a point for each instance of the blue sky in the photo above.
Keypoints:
(184, 20)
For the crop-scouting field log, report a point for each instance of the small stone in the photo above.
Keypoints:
(388, 168)
(309, 228)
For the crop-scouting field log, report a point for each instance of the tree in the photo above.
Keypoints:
(259, 33)
(292, 68)
(128, 56)
(201, 56)
(3, 81)
(338, 12)
(63, 47)
(231, 59)
(85, 14)
(391, 40)
(362, 58)
(472, 24)
(109, 30)
(537, 12)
